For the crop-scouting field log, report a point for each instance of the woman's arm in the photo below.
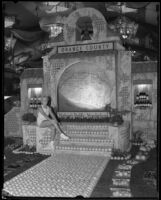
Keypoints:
(52, 115)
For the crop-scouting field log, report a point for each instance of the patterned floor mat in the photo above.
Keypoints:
(61, 175)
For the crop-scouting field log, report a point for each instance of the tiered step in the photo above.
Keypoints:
(89, 138)
(91, 141)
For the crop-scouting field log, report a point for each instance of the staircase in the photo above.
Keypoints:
(86, 138)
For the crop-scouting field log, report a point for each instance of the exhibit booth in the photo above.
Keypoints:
(100, 96)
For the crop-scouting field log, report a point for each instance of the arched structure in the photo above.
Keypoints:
(88, 71)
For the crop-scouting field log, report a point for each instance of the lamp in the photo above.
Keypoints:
(51, 3)
(8, 42)
(53, 29)
(9, 21)
(125, 27)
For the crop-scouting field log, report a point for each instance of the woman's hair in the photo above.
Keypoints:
(48, 99)
(45, 97)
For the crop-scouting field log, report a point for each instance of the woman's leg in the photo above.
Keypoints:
(48, 124)
(59, 129)
(56, 125)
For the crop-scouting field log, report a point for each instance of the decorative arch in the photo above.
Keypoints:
(98, 22)
(84, 29)
(82, 87)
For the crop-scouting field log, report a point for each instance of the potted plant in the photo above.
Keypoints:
(28, 118)
(115, 116)
(137, 138)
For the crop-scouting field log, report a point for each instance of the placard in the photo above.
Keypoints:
(85, 47)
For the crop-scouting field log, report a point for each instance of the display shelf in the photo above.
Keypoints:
(34, 96)
(143, 107)
(143, 94)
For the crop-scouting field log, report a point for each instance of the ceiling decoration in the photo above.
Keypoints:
(55, 7)
(137, 4)
(50, 3)
(25, 18)
(136, 22)
(56, 18)
(27, 36)
(119, 7)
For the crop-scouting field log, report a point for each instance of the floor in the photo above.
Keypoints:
(139, 188)
(60, 175)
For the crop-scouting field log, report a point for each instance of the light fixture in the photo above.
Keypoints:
(37, 91)
(142, 87)
(54, 29)
(125, 27)
(6, 97)
(9, 21)
(119, 7)
(9, 43)
(133, 52)
(51, 3)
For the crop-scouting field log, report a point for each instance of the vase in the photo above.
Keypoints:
(115, 124)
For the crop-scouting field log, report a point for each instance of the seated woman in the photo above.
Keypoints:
(43, 121)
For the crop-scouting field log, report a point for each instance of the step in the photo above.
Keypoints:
(82, 128)
(87, 141)
(77, 133)
(83, 148)
(80, 152)
(93, 138)
(85, 126)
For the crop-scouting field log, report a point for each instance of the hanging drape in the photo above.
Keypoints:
(27, 45)
(137, 5)
(27, 36)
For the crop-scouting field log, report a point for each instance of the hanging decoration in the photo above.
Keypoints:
(125, 27)
(27, 36)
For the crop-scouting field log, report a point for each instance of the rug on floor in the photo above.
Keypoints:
(61, 175)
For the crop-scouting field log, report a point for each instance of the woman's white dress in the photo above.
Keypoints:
(41, 117)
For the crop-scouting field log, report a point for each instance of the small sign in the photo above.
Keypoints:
(85, 47)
